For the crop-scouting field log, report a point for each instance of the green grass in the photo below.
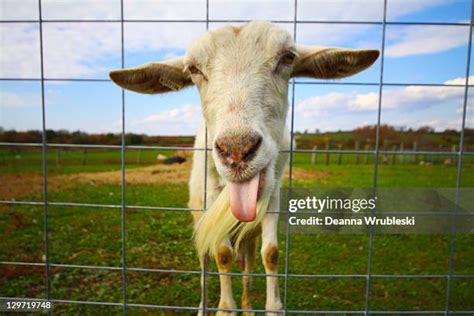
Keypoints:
(163, 240)
(66, 161)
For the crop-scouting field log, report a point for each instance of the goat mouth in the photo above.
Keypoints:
(244, 197)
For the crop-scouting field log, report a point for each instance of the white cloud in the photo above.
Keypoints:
(416, 40)
(398, 8)
(344, 35)
(90, 50)
(10, 99)
(84, 50)
(330, 10)
(156, 36)
(80, 49)
(10, 10)
(328, 107)
(252, 10)
(368, 10)
(183, 120)
(80, 9)
(165, 10)
(20, 51)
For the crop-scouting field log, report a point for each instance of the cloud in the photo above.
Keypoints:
(19, 100)
(80, 10)
(10, 10)
(85, 50)
(165, 10)
(182, 120)
(327, 10)
(345, 35)
(80, 49)
(158, 36)
(411, 99)
(399, 8)
(252, 10)
(20, 51)
(416, 40)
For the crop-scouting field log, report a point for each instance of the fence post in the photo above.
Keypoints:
(402, 156)
(367, 147)
(357, 152)
(139, 158)
(453, 150)
(415, 149)
(339, 160)
(4, 158)
(384, 156)
(84, 157)
(313, 156)
(58, 156)
(439, 158)
(327, 153)
(394, 154)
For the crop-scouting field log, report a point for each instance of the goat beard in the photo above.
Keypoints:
(243, 199)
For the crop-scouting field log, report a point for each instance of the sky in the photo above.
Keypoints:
(428, 54)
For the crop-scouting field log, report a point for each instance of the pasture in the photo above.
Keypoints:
(162, 239)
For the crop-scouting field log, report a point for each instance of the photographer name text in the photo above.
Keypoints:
(366, 220)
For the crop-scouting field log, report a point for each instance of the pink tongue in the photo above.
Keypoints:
(243, 199)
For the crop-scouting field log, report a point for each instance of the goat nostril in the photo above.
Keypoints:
(236, 150)
(252, 148)
(221, 150)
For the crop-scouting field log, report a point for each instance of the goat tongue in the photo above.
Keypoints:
(243, 199)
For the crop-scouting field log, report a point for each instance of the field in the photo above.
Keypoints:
(162, 239)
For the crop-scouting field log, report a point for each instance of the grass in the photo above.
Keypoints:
(66, 160)
(163, 240)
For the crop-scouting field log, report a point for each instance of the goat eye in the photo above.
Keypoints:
(194, 70)
(288, 58)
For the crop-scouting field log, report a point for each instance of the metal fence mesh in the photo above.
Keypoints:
(286, 275)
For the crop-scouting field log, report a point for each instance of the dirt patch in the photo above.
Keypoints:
(22, 184)
(17, 220)
(158, 174)
(12, 272)
(303, 174)
(19, 184)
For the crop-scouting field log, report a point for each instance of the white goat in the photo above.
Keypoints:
(242, 76)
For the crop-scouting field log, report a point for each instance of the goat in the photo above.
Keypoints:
(242, 75)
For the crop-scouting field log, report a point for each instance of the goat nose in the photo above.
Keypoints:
(235, 149)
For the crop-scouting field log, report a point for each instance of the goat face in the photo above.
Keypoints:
(242, 76)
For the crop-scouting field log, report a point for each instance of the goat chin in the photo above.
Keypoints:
(218, 223)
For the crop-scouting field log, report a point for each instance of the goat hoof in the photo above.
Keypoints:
(226, 305)
(275, 307)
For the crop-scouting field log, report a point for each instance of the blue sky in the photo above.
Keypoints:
(414, 54)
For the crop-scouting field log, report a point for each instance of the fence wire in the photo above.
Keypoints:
(125, 304)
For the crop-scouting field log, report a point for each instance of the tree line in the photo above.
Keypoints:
(79, 137)
(424, 137)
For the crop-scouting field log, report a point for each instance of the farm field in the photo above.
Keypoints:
(162, 239)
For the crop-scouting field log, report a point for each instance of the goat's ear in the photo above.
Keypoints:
(152, 78)
(332, 63)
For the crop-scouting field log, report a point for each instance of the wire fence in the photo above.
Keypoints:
(123, 206)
